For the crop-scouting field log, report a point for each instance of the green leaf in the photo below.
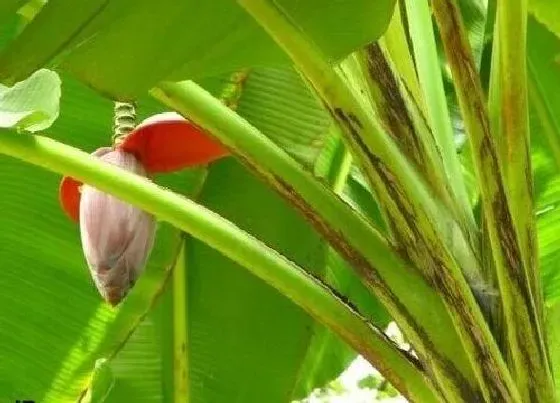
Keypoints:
(32, 104)
(137, 368)
(549, 240)
(112, 46)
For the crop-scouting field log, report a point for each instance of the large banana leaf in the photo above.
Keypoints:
(125, 47)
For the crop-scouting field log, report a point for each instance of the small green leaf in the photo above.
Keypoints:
(32, 104)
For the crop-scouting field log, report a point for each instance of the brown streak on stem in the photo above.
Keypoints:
(369, 275)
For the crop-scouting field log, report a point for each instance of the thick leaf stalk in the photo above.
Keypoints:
(370, 255)
(403, 119)
(525, 350)
(314, 297)
(514, 148)
(427, 227)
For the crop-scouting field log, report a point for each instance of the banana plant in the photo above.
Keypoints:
(307, 173)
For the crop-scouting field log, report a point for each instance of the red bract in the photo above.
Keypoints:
(167, 142)
(69, 195)
(163, 143)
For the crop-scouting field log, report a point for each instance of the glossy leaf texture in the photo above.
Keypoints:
(115, 46)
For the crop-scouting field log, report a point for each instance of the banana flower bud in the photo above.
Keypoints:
(117, 237)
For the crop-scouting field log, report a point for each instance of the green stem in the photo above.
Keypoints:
(430, 231)
(222, 235)
(422, 319)
(525, 349)
(431, 82)
(511, 122)
(403, 120)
